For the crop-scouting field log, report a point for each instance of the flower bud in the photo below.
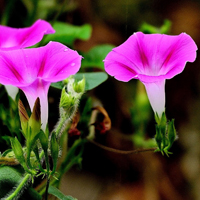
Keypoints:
(24, 118)
(35, 119)
(79, 87)
(67, 100)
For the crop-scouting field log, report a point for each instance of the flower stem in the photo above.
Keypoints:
(19, 188)
(122, 151)
(47, 187)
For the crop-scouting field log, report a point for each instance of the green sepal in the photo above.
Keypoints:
(171, 134)
(79, 86)
(19, 154)
(158, 137)
(18, 151)
(44, 142)
(31, 144)
(35, 150)
(67, 101)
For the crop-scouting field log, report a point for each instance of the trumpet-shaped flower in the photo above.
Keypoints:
(151, 58)
(16, 38)
(32, 70)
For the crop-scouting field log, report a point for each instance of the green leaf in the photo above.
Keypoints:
(164, 29)
(54, 191)
(95, 57)
(58, 85)
(67, 33)
(10, 180)
(93, 79)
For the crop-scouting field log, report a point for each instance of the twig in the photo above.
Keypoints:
(122, 151)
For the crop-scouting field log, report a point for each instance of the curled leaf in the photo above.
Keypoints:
(102, 125)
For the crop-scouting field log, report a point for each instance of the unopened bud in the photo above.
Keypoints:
(35, 119)
(79, 87)
(66, 100)
(24, 118)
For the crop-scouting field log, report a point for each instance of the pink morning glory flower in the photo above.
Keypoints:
(16, 38)
(151, 58)
(34, 69)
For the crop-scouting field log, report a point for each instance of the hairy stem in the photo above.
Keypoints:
(19, 188)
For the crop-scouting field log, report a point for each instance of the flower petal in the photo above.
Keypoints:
(59, 62)
(53, 62)
(38, 88)
(156, 95)
(12, 91)
(15, 38)
(150, 57)
(33, 70)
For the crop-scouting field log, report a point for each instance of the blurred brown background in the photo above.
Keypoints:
(143, 176)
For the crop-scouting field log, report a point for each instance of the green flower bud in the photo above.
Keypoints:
(67, 100)
(35, 119)
(24, 118)
(79, 87)
(66, 81)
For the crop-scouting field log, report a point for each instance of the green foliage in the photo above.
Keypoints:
(92, 80)
(10, 179)
(10, 118)
(67, 33)
(165, 133)
(56, 192)
(164, 29)
(95, 56)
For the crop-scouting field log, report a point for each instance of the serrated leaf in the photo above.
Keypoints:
(56, 192)
(95, 57)
(67, 33)
(93, 79)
